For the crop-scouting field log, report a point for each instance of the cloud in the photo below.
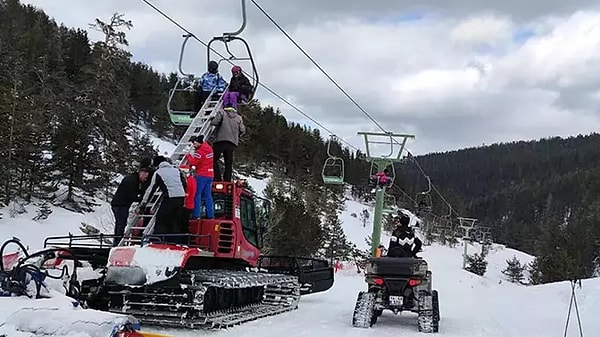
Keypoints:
(456, 74)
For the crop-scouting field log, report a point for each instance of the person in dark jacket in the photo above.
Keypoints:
(172, 184)
(130, 190)
(146, 164)
(240, 89)
(404, 243)
(230, 127)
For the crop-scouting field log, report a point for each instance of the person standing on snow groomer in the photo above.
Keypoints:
(202, 159)
(229, 128)
(209, 81)
(172, 185)
(403, 239)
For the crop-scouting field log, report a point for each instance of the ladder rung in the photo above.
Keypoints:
(199, 126)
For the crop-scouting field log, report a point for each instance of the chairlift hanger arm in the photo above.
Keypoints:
(429, 191)
(186, 37)
(227, 36)
(391, 143)
(332, 138)
(449, 211)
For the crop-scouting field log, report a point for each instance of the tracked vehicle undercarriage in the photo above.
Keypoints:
(207, 298)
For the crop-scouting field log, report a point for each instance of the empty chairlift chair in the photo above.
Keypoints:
(333, 169)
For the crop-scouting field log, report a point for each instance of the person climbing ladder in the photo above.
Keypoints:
(209, 81)
(229, 128)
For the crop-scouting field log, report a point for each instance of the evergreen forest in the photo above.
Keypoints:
(77, 114)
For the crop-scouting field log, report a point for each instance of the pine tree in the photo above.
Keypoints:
(535, 274)
(514, 270)
(476, 264)
(293, 229)
(336, 245)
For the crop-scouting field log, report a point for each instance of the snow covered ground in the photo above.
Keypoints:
(470, 305)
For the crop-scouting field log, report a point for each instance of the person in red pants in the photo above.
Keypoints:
(189, 202)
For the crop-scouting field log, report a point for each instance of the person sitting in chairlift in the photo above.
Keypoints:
(423, 206)
(209, 81)
(381, 179)
(240, 89)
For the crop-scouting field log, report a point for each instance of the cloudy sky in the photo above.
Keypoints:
(455, 73)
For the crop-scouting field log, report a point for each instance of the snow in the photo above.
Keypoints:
(164, 147)
(258, 184)
(60, 223)
(353, 227)
(470, 305)
(157, 263)
(55, 316)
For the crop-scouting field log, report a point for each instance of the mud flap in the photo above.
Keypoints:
(314, 275)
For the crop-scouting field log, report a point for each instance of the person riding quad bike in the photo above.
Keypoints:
(404, 243)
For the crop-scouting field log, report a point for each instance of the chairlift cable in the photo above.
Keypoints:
(158, 10)
(261, 84)
(348, 96)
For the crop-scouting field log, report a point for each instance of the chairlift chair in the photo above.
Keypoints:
(333, 169)
(226, 38)
(374, 181)
(390, 205)
(181, 116)
(423, 201)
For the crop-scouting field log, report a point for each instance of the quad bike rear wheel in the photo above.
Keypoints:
(364, 311)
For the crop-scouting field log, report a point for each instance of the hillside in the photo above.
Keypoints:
(535, 196)
(70, 139)
(470, 305)
(85, 154)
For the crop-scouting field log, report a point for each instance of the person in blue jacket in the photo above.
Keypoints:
(209, 81)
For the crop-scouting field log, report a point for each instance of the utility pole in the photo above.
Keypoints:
(380, 163)
(467, 225)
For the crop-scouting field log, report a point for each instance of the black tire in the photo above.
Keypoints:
(436, 310)
(425, 320)
(364, 313)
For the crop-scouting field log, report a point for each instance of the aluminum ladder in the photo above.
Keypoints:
(200, 126)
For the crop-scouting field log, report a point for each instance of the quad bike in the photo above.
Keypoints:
(398, 284)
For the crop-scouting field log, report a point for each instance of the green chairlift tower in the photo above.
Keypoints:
(380, 163)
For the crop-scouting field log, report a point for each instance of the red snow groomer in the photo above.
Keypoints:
(212, 277)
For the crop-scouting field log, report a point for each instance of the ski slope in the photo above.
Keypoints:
(470, 305)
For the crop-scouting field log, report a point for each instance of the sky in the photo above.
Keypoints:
(454, 74)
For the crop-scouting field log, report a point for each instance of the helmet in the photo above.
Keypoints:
(236, 69)
(404, 220)
(213, 66)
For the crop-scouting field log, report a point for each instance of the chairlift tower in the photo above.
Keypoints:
(380, 163)
(467, 224)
